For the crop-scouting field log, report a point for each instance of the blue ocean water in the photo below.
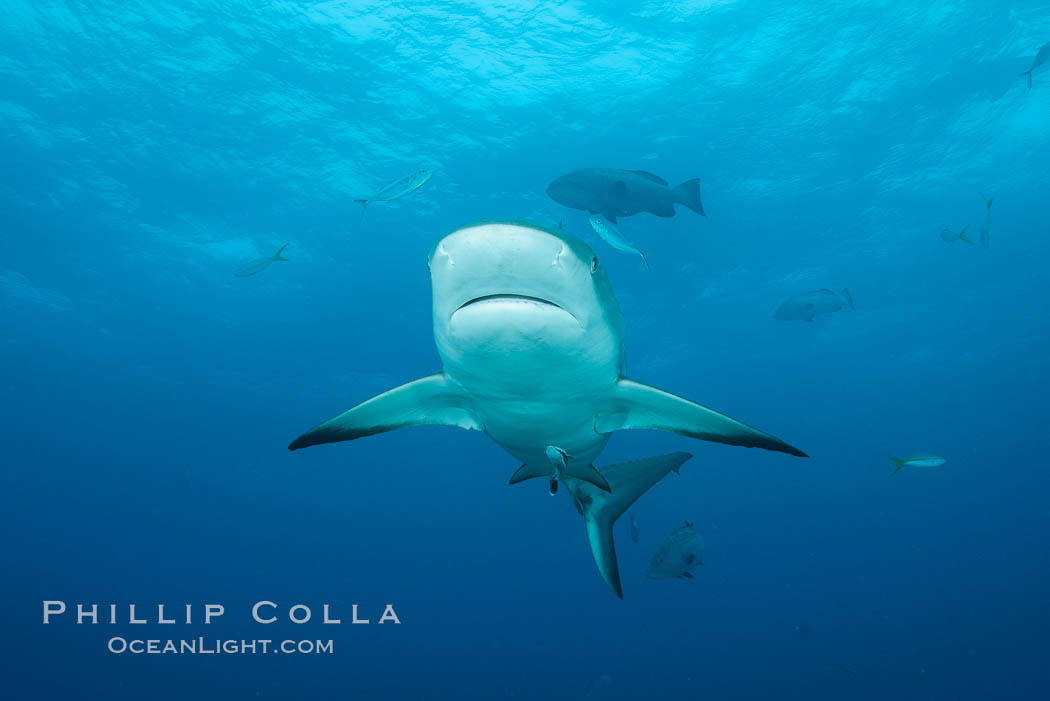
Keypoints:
(148, 393)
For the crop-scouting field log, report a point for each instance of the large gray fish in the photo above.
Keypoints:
(398, 188)
(1042, 56)
(613, 193)
(260, 264)
(805, 306)
(680, 552)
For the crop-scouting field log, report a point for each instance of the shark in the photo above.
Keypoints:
(531, 341)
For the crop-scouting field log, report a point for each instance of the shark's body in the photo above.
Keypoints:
(531, 340)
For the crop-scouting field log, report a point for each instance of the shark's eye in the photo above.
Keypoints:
(594, 265)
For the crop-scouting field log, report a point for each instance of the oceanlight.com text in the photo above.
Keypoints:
(212, 646)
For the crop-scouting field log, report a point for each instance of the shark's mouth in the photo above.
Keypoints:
(514, 298)
(509, 298)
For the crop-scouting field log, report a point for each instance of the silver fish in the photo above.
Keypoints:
(615, 238)
(680, 552)
(613, 193)
(1041, 57)
(947, 235)
(634, 528)
(926, 460)
(260, 264)
(805, 306)
(398, 188)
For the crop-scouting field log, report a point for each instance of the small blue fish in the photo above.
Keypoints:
(615, 238)
(260, 264)
(918, 461)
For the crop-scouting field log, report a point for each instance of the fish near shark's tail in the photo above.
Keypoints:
(898, 464)
(600, 509)
(278, 256)
(364, 206)
(688, 193)
(1029, 75)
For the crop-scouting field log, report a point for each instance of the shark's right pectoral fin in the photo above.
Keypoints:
(600, 509)
(431, 400)
(634, 405)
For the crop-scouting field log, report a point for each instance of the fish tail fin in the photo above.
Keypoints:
(278, 256)
(688, 193)
(848, 297)
(1029, 75)
(988, 201)
(629, 481)
(364, 206)
(962, 234)
(898, 464)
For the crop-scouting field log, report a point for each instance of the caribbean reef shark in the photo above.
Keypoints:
(531, 339)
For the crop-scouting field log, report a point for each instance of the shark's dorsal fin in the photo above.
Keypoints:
(634, 405)
(427, 401)
(628, 481)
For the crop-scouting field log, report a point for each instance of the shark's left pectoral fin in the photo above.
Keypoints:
(431, 400)
(634, 405)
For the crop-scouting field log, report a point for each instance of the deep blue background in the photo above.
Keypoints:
(148, 394)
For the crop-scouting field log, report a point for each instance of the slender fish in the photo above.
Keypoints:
(926, 460)
(615, 238)
(398, 188)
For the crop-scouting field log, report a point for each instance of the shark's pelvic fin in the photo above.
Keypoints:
(427, 401)
(634, 405)
(628, 481)
(586, 473)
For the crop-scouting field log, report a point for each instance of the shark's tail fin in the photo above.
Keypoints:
(278, 256)
(898, 464)
(628, 481)
(364, 206)
(1029, 75)
(688, 193)
(848, 297)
